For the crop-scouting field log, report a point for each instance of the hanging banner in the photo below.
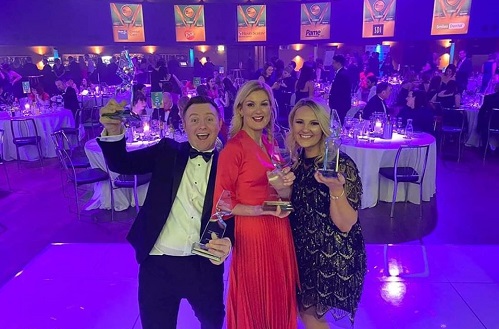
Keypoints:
(251, 23)
(315, 21)
(189, 23)
(450, 17)
(379, 18)
(128, 22)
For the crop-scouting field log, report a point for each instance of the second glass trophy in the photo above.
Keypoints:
(216, 225)
(332, 147)
(281, 158)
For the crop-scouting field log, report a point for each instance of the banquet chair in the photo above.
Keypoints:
(74, 132)
(25, 133)
(90, 119)
(409, 167)
(61, 142)
(492, 129)
(133, 182)
(82, 177)
(2, 160)
(453, 124)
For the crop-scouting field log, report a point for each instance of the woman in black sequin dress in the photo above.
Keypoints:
(327, 234)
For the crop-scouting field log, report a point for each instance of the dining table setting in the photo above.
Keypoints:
(373, 144)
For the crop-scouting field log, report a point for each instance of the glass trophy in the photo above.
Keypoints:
(332, 148)
(125, 115)
(281, 158)
(215, 225)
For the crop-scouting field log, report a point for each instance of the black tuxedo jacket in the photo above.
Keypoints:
(340, 97)
(375, 104)
(166, 161)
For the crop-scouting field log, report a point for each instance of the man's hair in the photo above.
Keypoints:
(201, 100)
(340, 59)
(138, 96)
(382, 86)
(373, 79)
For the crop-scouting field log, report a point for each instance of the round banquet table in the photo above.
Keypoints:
(473, 138)
(370, 156)
(123, 197)
(46, 124)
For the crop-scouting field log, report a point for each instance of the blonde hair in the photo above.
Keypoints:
(236, 124)
(322, 112)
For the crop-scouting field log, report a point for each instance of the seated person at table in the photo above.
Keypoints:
(72, 84)
(39, 96)
(68, 95)
(172, 217)
(139, 103)
(434, 87)
(489, 102)
(305, 84)
(85, 85)
(5, 97)
(377, 103)
(139, 87)
(418, 110)
(449, 97)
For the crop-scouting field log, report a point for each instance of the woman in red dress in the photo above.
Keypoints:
(263, 273)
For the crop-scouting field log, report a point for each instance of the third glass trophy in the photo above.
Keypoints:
(216, 225)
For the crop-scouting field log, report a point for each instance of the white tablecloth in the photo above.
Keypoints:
(473, 138)
(46, 124)
(370, 157)
(123, 197)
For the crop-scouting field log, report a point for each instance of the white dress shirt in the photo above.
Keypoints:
(183, 224)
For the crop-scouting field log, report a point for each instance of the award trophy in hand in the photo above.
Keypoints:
(215, 225)
(332, 148)
(124, 115)
(281, 158)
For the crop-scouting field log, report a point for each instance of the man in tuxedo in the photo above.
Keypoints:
(177, 207)
(377, 103)
(489, 102)
(69, 95)
(340, 97)
(464, 69)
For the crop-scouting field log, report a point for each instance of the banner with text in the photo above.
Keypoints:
(251, 23)
(450, 17)
(379, 18)
(189, 23)
(128, 22)
(315, 21)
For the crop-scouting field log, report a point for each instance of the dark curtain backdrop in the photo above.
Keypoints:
(88, 22)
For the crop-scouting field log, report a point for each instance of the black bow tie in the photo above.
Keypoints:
(194, 153)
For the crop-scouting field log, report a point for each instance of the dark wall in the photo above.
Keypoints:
(88, 22)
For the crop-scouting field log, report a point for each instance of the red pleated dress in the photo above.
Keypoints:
(263, 274)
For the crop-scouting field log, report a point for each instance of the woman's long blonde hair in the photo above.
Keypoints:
(322, 112)
(249, 87)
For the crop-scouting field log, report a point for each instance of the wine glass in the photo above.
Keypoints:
(348, 125)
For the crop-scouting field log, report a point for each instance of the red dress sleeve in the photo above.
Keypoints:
(228, 168)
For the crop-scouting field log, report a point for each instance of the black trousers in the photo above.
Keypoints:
(165, 280)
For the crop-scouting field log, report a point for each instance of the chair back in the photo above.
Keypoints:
(493, 125)
(2, 132)
(59, 139)
(78, 116)
(453, 118)
(410, 162)
(23, 127)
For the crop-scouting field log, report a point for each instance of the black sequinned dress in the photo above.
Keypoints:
(332, 264)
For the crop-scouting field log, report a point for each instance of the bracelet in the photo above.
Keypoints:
(333, 197)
